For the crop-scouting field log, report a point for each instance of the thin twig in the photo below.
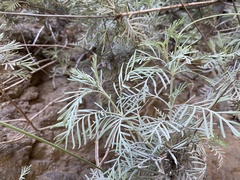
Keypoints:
(190, 16)
(30, 120)
(56, 15)
(37, 36)
(168, 8)
(9, 80)
(41, 67)
(18, 109)
(49, 104)
(82, 56)
(37, 114)
(48, 25)
(113, 16)
(45, 45)
(13, 120)
(31, 135)
(236, 11)
(97, 152)
(24, 42)
(229, 30)
(15, 84)
(13, 140)
(106, 153)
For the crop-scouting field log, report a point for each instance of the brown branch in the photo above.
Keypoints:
(113, 16)
(18, 109)
(106, 153)
(56, 15)
(46, 65)
(49, 104)
(45, 45)
(97, 152)
(190, 16)
(15, 84)
(37, 114)
(13, 140)
(168, 7)
(25, 43)
(235, 8)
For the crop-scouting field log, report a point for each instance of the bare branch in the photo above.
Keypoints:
(113, 16)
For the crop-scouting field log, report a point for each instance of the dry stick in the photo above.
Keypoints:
(113, 16)
(48, 64)
(56, 15)
(41, 45)
(19, 82)
(49, 104)
(106, 153)
(8, 80)
(52, 33)
(81, 58)
(11, 80)
(168, 7)
(19, 110)
(33, 117)
(25, 42)
(37, 114)
(99, 164)
(14, 140)
(27, 46)
(45, 45)
(235, 8)
(39, 32)
(229, 30)
(190, 16)
(44, 60)
(13, 120)
(97, 152)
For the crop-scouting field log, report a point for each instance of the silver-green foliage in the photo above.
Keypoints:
(12, 64)
(171, 143)
(24, 171)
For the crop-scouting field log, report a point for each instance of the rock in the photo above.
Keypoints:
(30, 93)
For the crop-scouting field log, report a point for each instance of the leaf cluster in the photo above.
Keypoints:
(13, 66)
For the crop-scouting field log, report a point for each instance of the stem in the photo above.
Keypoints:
(194, 4)
(171, 96)
(48, 143)
(190, 16)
